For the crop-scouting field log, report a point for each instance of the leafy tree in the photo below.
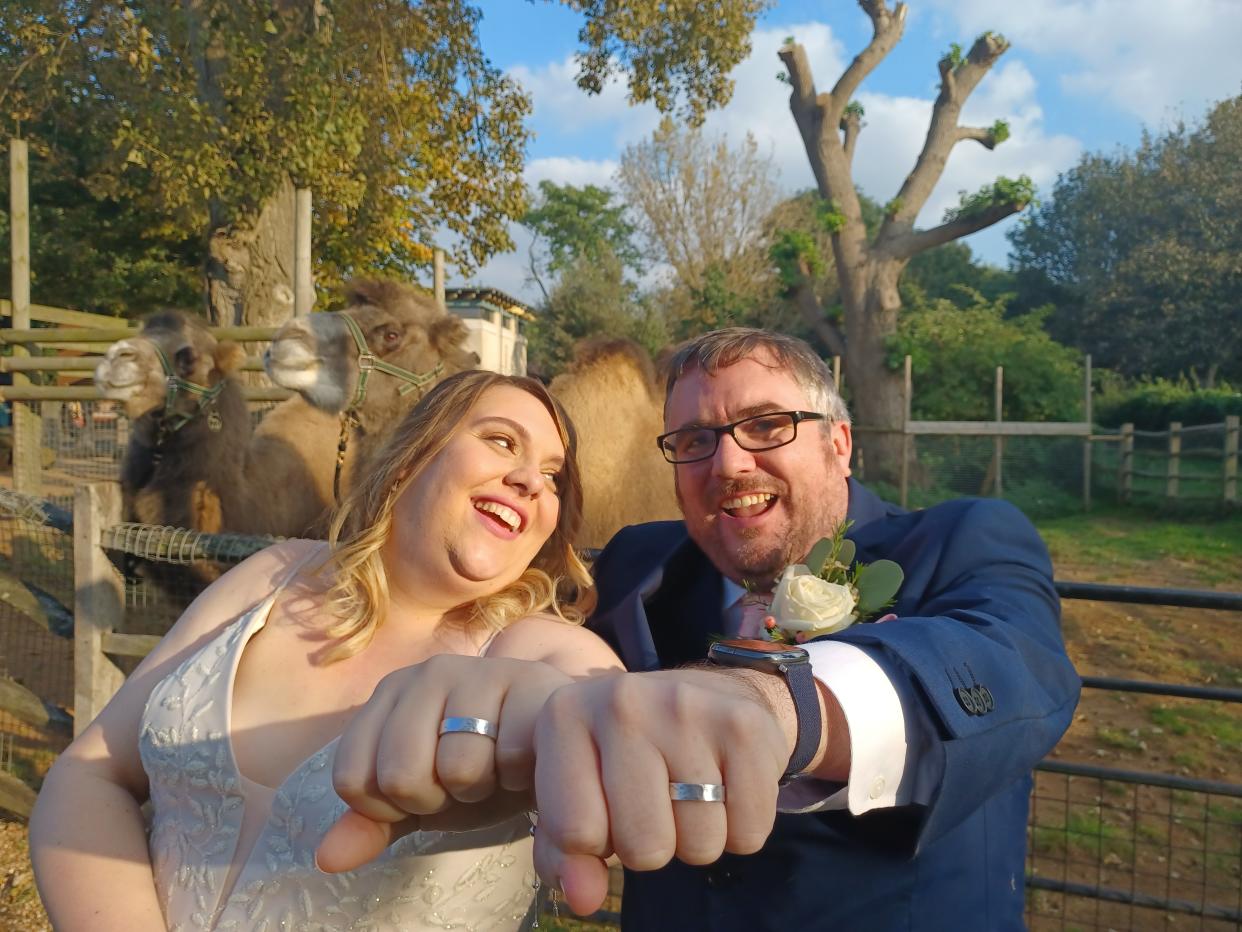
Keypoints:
(213, 110)
(702, 207)
(955, 351)
(1142, 253)
(951, 272)
(869, 265)
(91, 253)
(591, 299)
(571, 222)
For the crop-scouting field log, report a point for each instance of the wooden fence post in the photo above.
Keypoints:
(303, 281)
(905, 434)
(437, 277)
(1231, 458)
(98, 601)
(998, 442)
(27, 425)
(1087, 415)
(1175, 459)
(1125, 480)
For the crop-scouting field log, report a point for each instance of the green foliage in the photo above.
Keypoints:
(1139, 252)
(950, 272)
(1154, 404)
(854, 108)
(999, 131)
(1018, 191)
(796, 256)
(829, 216)
(668, 55)
(955, 352)
(954, 57)
(892, 207)
(581, 222)
(591, 299)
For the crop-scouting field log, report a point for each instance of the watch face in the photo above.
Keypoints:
(742, 649)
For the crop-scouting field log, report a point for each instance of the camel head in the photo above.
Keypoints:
(318, 356)
(136, 370)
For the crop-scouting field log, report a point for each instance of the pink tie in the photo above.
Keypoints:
(755, 608)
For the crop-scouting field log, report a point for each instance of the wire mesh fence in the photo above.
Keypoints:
(1110, 852)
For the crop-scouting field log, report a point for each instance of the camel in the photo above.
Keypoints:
(610, 393)
(413, 341)
(214, 472)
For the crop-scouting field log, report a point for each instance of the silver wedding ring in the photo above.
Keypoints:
(465, 725)
(697, 792)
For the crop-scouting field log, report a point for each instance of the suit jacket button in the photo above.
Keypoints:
(980, 706)
(988, 702)
(965, 700)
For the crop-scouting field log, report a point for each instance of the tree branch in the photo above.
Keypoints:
(958, 80)
(886, 26)
(980, 134)
(808, 305)
(851, 125)
(912, 243)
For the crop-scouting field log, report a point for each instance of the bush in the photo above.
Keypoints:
(1153, 405)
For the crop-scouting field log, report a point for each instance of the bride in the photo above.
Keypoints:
(456, 542)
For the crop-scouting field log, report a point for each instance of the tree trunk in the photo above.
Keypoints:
(250, 269)
(876, 391)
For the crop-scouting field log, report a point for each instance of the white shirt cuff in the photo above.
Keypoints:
(890, 763)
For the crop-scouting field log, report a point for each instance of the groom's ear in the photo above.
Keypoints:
(841, 444)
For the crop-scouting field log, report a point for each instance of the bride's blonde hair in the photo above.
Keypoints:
(556, 580)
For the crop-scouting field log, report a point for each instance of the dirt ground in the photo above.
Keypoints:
(1125, 731)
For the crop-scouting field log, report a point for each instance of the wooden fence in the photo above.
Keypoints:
(1176, 468)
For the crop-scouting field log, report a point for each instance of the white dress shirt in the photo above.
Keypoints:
(892, 762)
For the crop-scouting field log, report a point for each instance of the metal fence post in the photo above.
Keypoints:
(1125, 481)
(1175, 459)
(1231, 458)
(98, 601)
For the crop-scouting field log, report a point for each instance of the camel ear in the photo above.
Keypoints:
(229, 356)
(447, 335)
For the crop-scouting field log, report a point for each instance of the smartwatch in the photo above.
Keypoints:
(793, 664)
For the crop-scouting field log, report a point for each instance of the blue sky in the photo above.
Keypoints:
(1081, 75)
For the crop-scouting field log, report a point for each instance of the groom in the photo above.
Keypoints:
(911, 809)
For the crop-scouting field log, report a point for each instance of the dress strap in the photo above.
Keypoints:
(319, 552)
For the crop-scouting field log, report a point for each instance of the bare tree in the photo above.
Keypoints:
(869, 267)
(703, 206)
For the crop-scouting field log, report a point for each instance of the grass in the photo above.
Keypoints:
(1205, 719)
(1126, 541)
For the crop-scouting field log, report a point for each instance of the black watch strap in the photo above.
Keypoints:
(805, 694)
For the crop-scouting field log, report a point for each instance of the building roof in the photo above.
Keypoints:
(490, 296)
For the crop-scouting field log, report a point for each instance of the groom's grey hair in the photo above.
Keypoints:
(720, 349)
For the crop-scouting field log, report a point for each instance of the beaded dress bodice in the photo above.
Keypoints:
(479, 880)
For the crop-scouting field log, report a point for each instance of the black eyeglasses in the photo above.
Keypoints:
(761, 432)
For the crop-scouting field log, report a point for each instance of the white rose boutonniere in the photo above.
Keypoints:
(811, 606)
(829, 591)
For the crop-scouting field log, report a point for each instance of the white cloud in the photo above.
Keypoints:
(571, 170)
(1159, 60)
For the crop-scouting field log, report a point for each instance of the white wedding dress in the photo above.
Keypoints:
(231, 854)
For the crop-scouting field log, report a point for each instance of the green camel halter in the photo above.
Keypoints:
(368, 361)
(172, 421)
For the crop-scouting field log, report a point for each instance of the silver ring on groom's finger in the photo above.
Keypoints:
(465, 725)
(697, 792)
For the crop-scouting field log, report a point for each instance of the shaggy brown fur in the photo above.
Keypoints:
(612, 395)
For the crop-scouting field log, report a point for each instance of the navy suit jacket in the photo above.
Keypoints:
(978, 644)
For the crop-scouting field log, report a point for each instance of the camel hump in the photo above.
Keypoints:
(612, 353)
(385, 293)
(175, 321)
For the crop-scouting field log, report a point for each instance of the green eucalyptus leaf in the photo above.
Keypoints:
(846, 554)
(878, 582)
(819, 553)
